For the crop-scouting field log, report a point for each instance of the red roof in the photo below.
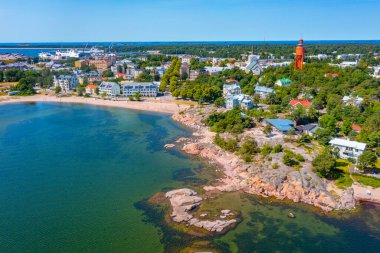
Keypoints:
(231, 81)
(304, 103)
(356, 128)
(120, 74)
(91, 86)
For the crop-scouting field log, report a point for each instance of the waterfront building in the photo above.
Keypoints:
(282, 125)
(146, 89)
(109, 88)
(285, 82)
(90, 89)
(66, 82)
(91, 77)
(241, 100)
(347, 148)
(263, 91)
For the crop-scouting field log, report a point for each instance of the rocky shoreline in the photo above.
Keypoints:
(301, 185)
(183, 201)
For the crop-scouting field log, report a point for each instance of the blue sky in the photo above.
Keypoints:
(187, 20)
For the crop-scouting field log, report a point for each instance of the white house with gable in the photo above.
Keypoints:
(347, 148)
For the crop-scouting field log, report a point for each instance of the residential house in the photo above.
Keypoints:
(308, 129)
(263, 91)
(146, 89)
(304, 103)
(109, 88)
(66, 82)
(241, 100)
(231, 89)
(90, 89)
(347, 148)
(356, 128)
(352, 101)
(91, 77)
(282, 125)
(285, 82)
(193, 75)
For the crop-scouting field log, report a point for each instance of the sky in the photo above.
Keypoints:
(187, 20)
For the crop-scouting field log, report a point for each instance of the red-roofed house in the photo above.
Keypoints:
(304, 103)
(120, 75)
(231, 81)
(90, 89)
(356, 128)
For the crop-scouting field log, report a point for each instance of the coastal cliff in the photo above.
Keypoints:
(298, 185)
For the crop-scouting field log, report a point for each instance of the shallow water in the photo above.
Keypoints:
(72, 178)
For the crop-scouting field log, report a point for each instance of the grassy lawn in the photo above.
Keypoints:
(344, 180)
(366, 180)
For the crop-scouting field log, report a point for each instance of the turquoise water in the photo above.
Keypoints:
(73, 177)
(70, 175)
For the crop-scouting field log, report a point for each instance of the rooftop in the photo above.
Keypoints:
(281, 124)
(305, 103)
(348, 143)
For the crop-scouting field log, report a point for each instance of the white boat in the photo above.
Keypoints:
(72, 53)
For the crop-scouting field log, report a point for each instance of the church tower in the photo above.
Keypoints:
(300, 55)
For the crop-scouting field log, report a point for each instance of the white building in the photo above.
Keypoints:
(109, 88)
(253, 66)
(66, 82)
(348, 149)
(242, 101)
(215, 70)
(147, 89)
(346, 64)
(231, 89)
(352, 101)
(263, 91)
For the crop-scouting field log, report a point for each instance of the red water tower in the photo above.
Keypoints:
(300, 55)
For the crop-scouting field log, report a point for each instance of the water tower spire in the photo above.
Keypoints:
(300, 55)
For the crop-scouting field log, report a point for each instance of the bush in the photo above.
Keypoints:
(277, 148)
(289, 161)
(230, 145)
(325, 165)
(275, 166)
(266, 150)
(232, 121)
(248, 148)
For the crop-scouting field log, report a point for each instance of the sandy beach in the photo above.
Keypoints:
(151, 104)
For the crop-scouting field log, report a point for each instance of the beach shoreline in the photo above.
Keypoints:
(152, 105)
(229, 164)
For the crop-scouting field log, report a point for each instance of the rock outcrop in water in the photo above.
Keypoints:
(283, 183)
(183, 201)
